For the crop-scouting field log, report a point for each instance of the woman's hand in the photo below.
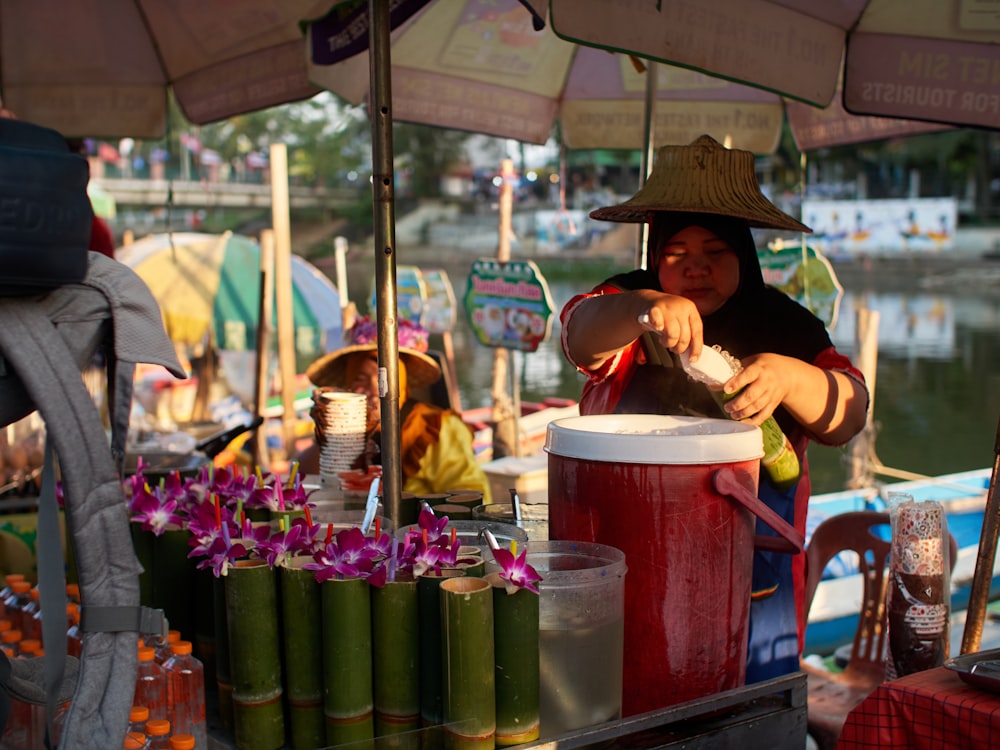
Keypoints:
(676, 322)
(766, 380)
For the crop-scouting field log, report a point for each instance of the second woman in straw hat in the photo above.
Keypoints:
(704, 287)
(435, 444)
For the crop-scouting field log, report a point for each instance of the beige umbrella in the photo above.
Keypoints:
(483, 67)
(932, 60)
(102, 68)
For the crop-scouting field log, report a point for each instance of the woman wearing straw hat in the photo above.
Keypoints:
(704, 287)
(435, 444)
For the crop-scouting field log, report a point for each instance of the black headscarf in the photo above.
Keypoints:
(757, 318)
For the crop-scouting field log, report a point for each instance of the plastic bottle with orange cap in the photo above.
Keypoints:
(158, 734)
(151, 685)
(186, 687)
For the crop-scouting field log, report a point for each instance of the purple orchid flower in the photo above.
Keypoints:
(432, 524)
(348, 556)
(155, 512)
(221, 555)
(254, 535)
(296, 496)
(280, 546)
(516, 572)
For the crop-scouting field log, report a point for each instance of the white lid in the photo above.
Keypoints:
(653, 439)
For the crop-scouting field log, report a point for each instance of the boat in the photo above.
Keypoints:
(834, 612)
(531, 425)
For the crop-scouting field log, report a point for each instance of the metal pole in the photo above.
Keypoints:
(383, 197)
(648, 152)
(979, 596)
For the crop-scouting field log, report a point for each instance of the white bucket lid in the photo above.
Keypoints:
(653, 439)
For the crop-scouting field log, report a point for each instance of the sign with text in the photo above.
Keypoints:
(508, 304)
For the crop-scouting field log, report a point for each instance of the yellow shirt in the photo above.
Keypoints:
(437, 454)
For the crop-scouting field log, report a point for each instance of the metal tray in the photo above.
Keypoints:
(980, 669)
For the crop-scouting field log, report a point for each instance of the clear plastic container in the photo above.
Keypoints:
(581, 610)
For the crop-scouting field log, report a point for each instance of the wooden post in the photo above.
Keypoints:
(505, 428)
(281, 223)
(979, 595)
(265, 332)
(866, 357)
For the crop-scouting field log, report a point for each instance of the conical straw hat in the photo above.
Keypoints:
(703, 177)
(421, 369)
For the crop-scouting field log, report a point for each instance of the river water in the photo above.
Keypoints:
(937, 395)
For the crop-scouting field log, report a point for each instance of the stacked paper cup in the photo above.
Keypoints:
(340, 419)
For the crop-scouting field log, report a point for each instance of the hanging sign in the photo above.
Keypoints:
(508, 304)
(439, 307)
(411, 294)
(808, 278)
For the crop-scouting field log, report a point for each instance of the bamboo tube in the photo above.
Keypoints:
(515, 639)
(454, 511)
(473, 567)
(347, 660)
(223, 672)
(468, 683)
(173, 579)
(142, 542)
(255, 656)
(205, 623)
(435, 499)
(429, 608)
(395, 657)
(303, 643)
(468, 498)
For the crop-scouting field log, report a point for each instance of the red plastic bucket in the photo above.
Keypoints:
(671, 493)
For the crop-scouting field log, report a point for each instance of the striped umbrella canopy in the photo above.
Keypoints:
(208, 289)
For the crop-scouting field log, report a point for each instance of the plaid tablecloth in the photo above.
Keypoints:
(930, 710)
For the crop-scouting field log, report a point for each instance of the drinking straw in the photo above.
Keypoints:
(515, 637)
(218, 512)
(280, 495)
(293, 474)
(378, 528)
(308, 514)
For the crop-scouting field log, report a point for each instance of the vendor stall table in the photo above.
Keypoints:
(770, 714)
(930, 710)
